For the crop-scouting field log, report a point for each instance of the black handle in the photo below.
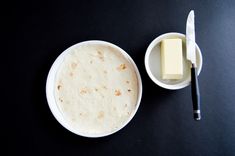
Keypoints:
(195, 94)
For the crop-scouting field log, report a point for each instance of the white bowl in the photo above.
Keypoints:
(153, 63)
(51, 83)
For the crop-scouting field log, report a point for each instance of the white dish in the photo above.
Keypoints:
(50, 86)
(153, 63)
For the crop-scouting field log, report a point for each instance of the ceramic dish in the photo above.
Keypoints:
(153, 63)
(51, 80)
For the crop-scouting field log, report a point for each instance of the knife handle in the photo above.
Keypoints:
(195, 94)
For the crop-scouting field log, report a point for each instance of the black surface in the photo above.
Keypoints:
(35, 33)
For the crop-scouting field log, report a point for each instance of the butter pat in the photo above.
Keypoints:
(172, 59)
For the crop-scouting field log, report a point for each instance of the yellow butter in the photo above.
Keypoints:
(171, 59)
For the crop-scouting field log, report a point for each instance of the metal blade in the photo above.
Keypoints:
(190, 38)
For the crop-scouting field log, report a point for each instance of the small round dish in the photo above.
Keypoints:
(153, 63)
(51, 80)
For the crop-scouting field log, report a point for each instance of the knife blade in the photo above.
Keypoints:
(190, 38)
(191, 56)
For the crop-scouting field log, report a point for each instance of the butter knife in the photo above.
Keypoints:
(191, 56)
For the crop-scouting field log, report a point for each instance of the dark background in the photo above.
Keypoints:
(35, 33)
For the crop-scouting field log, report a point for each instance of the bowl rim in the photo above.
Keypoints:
(149, 72)
(51, 81)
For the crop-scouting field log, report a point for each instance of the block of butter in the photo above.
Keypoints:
(171, 59)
